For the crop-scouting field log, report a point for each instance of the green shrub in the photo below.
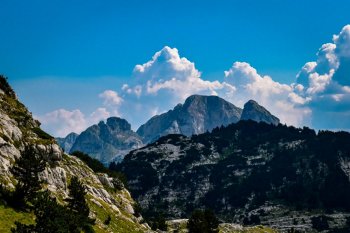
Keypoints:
(5, 87)
(203, 222)
(97, 166)
(42, 134)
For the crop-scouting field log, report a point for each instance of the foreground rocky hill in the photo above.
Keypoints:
(17, 130)
(248, 173)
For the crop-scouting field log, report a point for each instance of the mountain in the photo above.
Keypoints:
(248, 172)
(112, 140)
(107, 141)
(253, 111)
(67, 142)
(197, 115)
(17, 130)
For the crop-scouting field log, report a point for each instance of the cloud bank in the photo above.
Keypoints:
(320, 93)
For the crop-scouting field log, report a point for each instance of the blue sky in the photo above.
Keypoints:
(63, 55)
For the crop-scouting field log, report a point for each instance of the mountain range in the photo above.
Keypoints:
(112, 140)
(250, 172)
(292, 179)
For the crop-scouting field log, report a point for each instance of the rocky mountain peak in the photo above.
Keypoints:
(197, 115)
(107, 141)
(67, 142)
(253, 111)
(118, 124)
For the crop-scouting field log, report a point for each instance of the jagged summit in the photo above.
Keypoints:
(197, 115)
(107, 141)
(67, 142)
(253, 111)
(118, 124)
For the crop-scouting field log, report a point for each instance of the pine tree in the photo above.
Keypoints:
(49, 217)
(78, 205)
(26, 170)
(203, 222)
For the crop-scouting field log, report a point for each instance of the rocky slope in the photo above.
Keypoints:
(253, 111)
(108, 141)
(247, 173)
(67, 142)
(18, 128)
(197, 115)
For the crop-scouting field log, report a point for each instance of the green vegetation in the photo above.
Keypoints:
(8, 216)
(5, 86)
(97, 166)
(203, 222)
(157, 223)
(42, 134)
(49, 215)
(26, 171)
(92, 163)
(55, 218)
(48, 211)
(78, 206)
(117, 223)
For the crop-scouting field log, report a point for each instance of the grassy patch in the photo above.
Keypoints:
(8, 216)
(117, 224)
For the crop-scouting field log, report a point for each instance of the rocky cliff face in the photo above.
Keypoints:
(108, 141)
(248, 173)
(253, 111)
(197, 115)
(18, 128)
(67, 142)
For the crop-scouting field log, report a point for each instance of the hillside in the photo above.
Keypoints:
(17, 130)
(247, 173)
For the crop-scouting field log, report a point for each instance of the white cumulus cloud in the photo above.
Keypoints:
(111, 98)
(326, 83)
(321, 92)
(170, 73)
(281, 99)
(63, 122)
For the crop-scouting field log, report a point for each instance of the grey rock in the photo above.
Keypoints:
(67, 142)
(197, 115)
(253, 111)
(52, 152)
(105, 180)
(108, 141)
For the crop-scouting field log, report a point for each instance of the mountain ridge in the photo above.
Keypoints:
(198, 114)
(248, 172)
